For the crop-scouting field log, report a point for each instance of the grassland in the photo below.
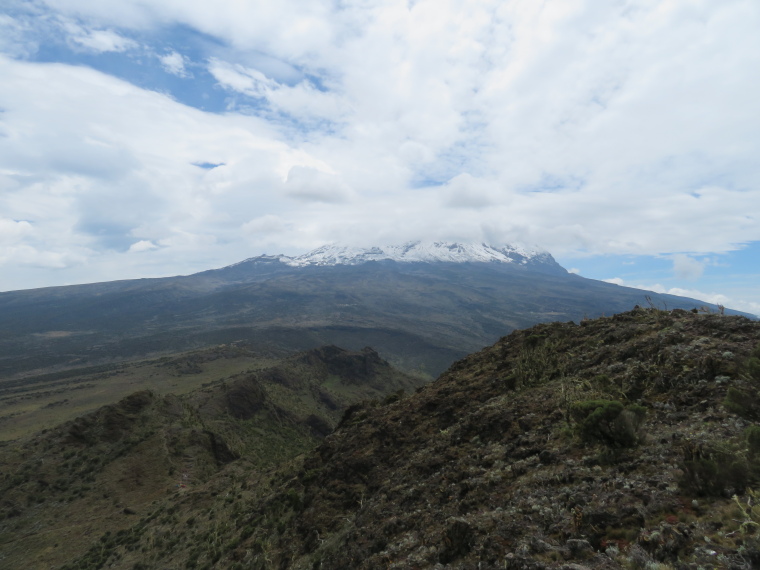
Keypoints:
(33, 403)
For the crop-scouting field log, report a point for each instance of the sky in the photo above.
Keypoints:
(152, 138)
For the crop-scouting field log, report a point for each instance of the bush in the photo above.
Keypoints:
(609, 422)
(752, 436)
(745, 401)
(715, 467)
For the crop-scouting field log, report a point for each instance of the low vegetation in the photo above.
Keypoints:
(612, 443)
(101, 471)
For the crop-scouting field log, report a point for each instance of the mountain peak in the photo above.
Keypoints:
(422, 251)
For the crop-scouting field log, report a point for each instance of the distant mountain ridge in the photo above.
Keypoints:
(421, 305)
(419, 252)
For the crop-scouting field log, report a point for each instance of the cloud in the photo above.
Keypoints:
(686, 267)
(302, 100)
(16, 39)
(588, 128)
(99, 41)
(311, 185)
(174, 63)
(268, 224)
(92, 179)
(11, 231)
(239, 78)
(465, 191)
(142, 245)
(745, 305)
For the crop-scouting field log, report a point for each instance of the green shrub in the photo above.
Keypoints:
(715, 470)
(752, 436)
(744, 401)
(609, 422)
(293, 498)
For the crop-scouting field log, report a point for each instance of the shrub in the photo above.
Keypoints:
(752, 436)
(609, 422)
(745, 401)
(710, 469)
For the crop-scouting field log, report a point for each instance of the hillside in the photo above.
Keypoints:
(615, 443)
(64, 487)
(421, 308)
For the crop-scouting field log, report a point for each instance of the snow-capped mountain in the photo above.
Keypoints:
(416, 252)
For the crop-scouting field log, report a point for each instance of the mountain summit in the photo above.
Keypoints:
(422, 252)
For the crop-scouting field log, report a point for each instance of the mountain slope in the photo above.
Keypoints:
(504, 462)
(103, 470)
(418, 314)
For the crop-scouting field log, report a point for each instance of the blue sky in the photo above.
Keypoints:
(157, 138)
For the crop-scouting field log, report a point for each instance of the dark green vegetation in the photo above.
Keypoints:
(419, 316)
(613, 443)
(104, 471)
(609, 421)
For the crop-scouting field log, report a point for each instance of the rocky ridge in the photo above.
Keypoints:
(527, 454)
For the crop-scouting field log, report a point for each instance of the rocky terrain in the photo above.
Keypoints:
(627, 442)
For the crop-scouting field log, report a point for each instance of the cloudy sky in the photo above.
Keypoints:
(160, 137)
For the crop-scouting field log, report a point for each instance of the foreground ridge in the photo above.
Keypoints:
(615, 443)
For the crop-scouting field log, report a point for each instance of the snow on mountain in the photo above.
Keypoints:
(420, 251)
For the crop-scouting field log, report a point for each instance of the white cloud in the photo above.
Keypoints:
(313, 185)
(15, 39)
(686, 267)
(268, 224)
(596, 128)
(302, 100)
(744, 305)
(142, 245)
(174, 63)
(97, 40)
(239, 78)
(11, 231)
(466, 191)
(92, 179)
